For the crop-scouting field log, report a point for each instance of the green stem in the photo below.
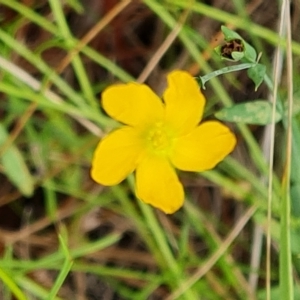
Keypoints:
(205, 78)
(162, 243)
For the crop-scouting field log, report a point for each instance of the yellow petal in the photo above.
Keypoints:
(132, 103)
(116, 156)
(157, 184)
(184, 102)
(204, 147)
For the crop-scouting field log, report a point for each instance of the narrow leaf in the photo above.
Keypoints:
(14, 166)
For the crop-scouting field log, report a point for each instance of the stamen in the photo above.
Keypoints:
(159, 138)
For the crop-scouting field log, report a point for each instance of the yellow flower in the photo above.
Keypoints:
(158, 137)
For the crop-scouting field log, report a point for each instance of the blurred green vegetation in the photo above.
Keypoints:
(62, 236)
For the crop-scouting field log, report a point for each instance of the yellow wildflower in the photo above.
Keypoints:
(158, 137)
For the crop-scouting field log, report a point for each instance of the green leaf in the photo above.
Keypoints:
(258, 112)
(275, 293)
(257, 74)
(237, 55)
(14, 166)
(295, 203)
(229, 34)
(250, 53)
(76, 6)
(8, 280)
(295, 170)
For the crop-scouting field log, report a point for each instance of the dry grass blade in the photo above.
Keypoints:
(117, 9)
(30, 81)
(216, 255)
(276, 81)
(163, 48)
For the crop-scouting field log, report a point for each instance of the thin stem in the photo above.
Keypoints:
(205, 78)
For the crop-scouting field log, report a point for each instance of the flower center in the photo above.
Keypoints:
(159, 138)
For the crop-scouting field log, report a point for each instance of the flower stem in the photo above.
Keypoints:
(205, 78)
